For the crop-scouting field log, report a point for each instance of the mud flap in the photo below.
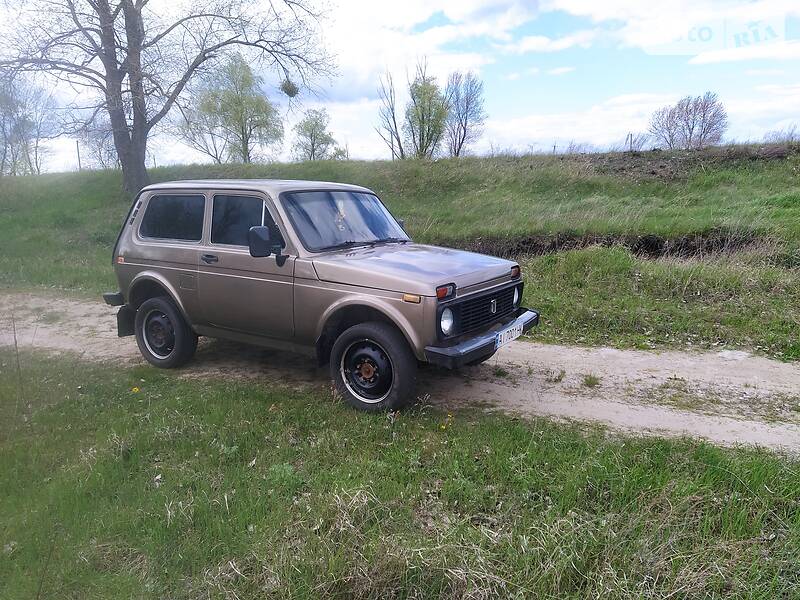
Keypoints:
(125, 321)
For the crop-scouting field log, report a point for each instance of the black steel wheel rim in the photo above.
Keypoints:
(158, 333)
(367, 371)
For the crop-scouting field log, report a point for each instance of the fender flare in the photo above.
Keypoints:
(386, 309)
(157, 278)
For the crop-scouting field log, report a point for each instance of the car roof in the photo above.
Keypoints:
(270, 186)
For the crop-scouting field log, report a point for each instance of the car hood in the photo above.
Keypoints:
(409, 268)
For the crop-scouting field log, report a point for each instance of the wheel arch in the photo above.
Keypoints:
(351, 311)
(149, 284)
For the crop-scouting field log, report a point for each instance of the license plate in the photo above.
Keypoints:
(501, 338)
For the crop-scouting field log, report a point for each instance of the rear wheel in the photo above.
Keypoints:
(162, 334)
(373, 367)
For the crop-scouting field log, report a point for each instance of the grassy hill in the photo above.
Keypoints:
(722, 226)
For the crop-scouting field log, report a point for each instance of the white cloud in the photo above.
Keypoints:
(542, 43)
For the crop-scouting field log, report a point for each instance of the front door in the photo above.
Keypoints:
(237, 291)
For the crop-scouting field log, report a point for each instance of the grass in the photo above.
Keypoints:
(500, 372)
(57, 231)
(606, 296)
(590, 380)
(224, 489)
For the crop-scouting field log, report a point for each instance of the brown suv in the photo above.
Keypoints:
(318, 268)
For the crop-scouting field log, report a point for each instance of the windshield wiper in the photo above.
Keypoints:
(347, 244)
(353, 243)
(390, 240)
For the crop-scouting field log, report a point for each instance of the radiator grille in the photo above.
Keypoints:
(475, 313)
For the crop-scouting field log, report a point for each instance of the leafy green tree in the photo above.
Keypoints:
(313, 140)
(244, 114)
(426, 114)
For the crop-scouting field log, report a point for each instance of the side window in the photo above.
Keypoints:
(174, 217)
(233, 216)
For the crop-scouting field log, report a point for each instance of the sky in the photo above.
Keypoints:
(554, 71)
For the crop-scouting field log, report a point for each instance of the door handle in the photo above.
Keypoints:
(209, 258)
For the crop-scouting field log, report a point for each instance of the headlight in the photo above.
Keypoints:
(446, 323)
(516, 296)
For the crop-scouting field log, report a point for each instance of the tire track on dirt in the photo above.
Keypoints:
(727, 397)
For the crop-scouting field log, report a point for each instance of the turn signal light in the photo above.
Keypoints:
(516, 272)
(445, 291)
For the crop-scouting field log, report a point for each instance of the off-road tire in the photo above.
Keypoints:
(162, 312)
(377, 344)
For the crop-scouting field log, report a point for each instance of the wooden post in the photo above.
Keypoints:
(78, 150)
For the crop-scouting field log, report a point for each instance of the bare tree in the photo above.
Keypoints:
(389, 127)
(664, 127)
(135, 60)
(97, 141)
(465, 117)
(27, 120)
(41, 124)
(691, 124)
(426, 114)
(8, 115)
(711, 120)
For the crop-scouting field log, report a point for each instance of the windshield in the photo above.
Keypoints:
(338, 219)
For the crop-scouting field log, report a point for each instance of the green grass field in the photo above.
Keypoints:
(57, 231)
(137, 483)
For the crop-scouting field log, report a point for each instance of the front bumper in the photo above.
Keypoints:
(476, 348)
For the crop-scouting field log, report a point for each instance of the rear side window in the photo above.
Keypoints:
(174, 217)
(233, 216)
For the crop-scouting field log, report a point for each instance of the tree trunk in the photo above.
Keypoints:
(134, 172)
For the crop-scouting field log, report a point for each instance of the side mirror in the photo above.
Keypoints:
(260, 241)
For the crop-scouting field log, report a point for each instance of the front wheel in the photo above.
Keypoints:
(373, 367)
(162, 334)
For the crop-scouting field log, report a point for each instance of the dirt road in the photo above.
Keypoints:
(727, 397)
